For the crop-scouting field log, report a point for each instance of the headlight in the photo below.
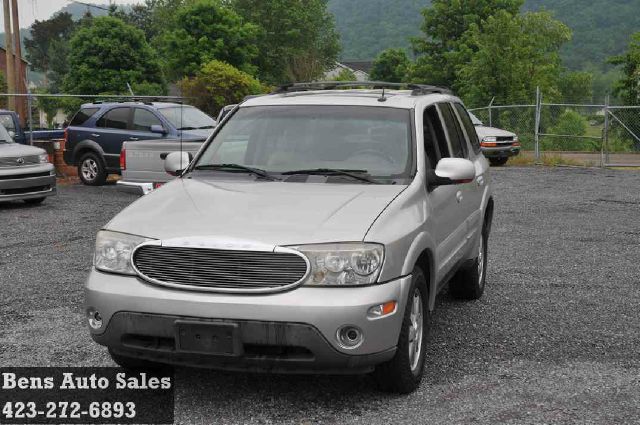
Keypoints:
(343, 264)
(44, 158)
(490, 139)
(113, 251)
(515, 138)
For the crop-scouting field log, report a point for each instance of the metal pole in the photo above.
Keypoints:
(490, 111)
(29, 115)
(537, 123)
(605, 133)
(8, 45)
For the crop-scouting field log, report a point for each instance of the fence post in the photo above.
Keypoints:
(605, 134)
(490, 113)
(537, 124)
(29, 115)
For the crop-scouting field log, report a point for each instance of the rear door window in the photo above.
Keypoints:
(456, 137)
(83, 115)
(143, 119)
(117, 118)
(469, 128)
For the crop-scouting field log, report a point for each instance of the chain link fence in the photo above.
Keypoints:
(594, 133)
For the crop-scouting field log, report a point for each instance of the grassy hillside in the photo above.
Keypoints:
(601, 27)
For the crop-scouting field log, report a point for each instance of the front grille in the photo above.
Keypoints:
(504, 138)
(17, 161)
(217, 269)
(25, 176)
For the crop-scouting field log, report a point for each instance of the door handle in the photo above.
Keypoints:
(459, 196)
(134, 138)
(95, 135)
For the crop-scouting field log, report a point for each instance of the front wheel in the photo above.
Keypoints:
(498, 162)
(403, 373)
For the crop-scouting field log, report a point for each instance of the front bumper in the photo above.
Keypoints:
(501, 151)
(27, 182)
(289, 331)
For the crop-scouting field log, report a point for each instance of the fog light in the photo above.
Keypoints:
(381, 310)
(349, 337)
(95, 320)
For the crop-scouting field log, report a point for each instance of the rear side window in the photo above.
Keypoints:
(456, 137)
(470, 129)
(144, 119)
(116, 118)
(83, 115)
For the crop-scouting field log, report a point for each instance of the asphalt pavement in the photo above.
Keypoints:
(555, 339)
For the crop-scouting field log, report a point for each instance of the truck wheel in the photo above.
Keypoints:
(498, 162)
(91, 170)
(403, 373)
(132, 363)
(468, 283)
(34, 201)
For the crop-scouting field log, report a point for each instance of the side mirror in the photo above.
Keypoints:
(176, 162)
(157, 128)
(12, 134)
(451, 171)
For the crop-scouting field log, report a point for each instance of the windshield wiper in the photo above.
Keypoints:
(205, 126)
(334, 172)
(236, 167)
(187, 128)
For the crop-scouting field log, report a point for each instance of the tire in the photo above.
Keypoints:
(498, 162)
(133, 364)
(91, 170)
(403, 373)
(469, 282)
(34, 201)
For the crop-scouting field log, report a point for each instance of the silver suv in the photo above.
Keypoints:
(311, 232)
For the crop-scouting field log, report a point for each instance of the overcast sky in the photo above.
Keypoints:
(30, 10)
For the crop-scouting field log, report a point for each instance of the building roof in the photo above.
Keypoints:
(364, 66)
(4, 53)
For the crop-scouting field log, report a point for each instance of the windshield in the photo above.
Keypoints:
(475, 119)
(187, 117)
(280, 139)
(4, 135)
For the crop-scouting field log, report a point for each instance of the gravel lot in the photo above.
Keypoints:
(556, 339)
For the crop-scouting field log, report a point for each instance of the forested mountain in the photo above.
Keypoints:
(601, 28)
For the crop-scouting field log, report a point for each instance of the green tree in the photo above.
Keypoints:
(576, 87)
(106, 54)
(48, 41)
(511, 56)
(218, 84)
(345, 75)
(628, 86)
(297, 39)
(152, 16)
(570, 123)
(204, 30)
(391, 65)
(444, 27)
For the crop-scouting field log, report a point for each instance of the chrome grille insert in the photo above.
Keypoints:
(220, 270)
(18, 161)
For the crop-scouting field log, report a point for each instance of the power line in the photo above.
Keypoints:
(89, 5)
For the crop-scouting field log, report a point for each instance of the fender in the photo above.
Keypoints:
(421, 243)
(86, 145)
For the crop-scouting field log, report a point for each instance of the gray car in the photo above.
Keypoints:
(311, 233)
(25, 172)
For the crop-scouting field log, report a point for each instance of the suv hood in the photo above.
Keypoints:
(492, 131)
(15, 149)
(269, 212)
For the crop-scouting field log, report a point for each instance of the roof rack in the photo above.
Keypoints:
(416, 89)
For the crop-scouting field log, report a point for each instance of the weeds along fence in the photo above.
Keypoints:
(601, 134)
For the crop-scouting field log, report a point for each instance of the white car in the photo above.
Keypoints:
(497, 145)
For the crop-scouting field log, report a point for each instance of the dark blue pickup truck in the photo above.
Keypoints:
(94, 138)
(11, 123)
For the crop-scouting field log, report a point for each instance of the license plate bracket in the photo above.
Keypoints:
(222, 339)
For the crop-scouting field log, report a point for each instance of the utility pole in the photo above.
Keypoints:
(8, 45)
(21, 85)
